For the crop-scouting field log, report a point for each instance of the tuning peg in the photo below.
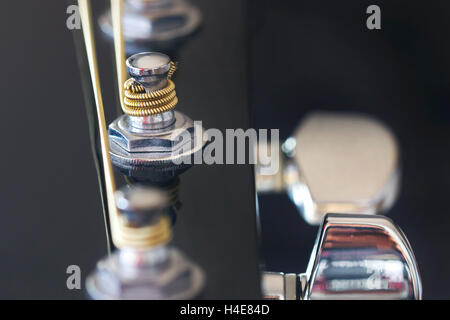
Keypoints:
(154, 271)
(354, 257)
(157, 24)
(337, 162)
(151, 139)
(149, 69)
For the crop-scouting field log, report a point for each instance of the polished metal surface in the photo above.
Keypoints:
(355, 257)
(141, 205)
(158, 271)
(349, 163)
(160, 23)
(153, 122)
(150, 69)
(281, 286)
(166, 139)
(162, 140)
(362, 257)
(153, 148)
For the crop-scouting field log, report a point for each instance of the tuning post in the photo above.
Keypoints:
(158, 24)
(337, 162)
(151, 135)
(155, 270)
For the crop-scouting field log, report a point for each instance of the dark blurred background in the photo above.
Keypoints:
(319, 55)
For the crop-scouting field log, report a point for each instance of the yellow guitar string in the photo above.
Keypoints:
(139, 103)
(84, 7)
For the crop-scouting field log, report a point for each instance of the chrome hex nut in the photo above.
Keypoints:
(132, 148)
(167, 139)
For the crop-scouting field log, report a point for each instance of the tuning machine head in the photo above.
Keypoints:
(354, 257)
(151, 139)
(156, 271)
(149, 69)
(338, 162)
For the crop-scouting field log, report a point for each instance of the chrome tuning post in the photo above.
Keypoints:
(337, 162)
(162, 25)
(151, 140)
(354, 257)
(151, 271)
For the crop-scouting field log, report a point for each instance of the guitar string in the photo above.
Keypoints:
(122, 234)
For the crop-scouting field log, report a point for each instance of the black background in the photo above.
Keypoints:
(309, 55)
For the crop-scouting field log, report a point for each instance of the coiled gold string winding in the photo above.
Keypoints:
(157, 234)
(139, 103)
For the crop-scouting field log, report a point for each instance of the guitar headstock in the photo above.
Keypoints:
(333, 163)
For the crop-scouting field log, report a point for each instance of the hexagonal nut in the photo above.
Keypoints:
(163, 140)
(177, 278)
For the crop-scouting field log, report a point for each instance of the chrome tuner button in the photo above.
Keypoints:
(158, 24)
(150, 69)
(339, 163)
(156, 271)
(363, 257)
(151, 139)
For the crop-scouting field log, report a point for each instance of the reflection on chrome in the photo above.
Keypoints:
(336, 162)
(361, 257)
(155, 24)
